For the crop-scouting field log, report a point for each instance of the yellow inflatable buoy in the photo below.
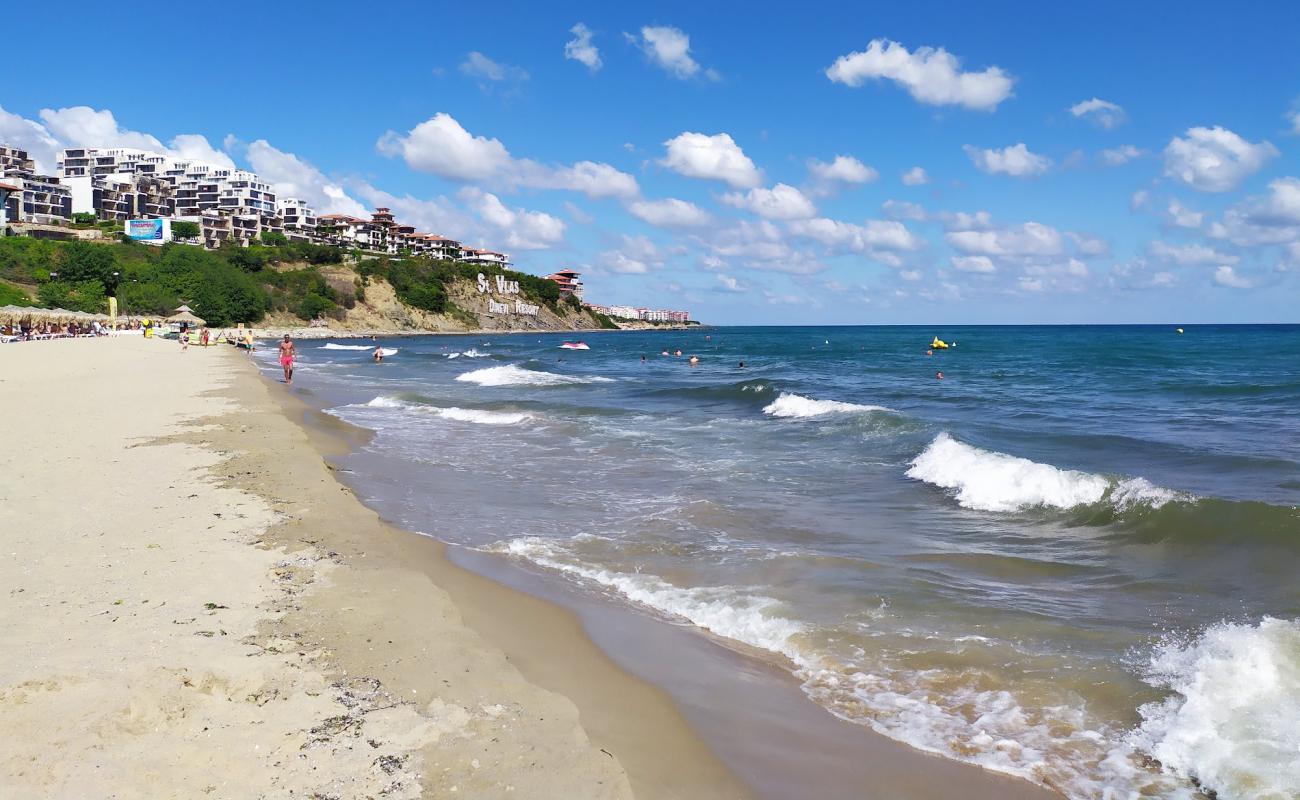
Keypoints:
(939, 344)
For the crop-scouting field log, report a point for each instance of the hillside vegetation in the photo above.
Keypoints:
(280, 282)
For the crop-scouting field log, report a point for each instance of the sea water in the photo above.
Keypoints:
(1075, 558)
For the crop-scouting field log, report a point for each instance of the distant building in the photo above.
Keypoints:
(568, 282)
(33, 198)
(298, 217)
(487, 258)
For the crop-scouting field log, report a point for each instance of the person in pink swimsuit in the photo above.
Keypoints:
(286, 359)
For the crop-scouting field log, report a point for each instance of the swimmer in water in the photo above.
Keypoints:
(664, 353)
(694, 360)
(678, 353)
(929, 352)
(938, 376)
(378, 355)
(741, 365)
(642, 359)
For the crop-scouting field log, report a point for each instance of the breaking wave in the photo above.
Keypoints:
(512, 375)
(985, 480)
(792, 405)
(1232, 722)
(476, 415)
(332, 346)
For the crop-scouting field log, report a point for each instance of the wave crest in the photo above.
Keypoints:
(985, 480)
(478, 416)
(513, 375)
(1232, 723)
(792, 405)
(332, 346)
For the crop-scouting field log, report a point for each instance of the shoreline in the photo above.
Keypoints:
(790, 742)
(238, 615)
(215, 614)
(311, 334)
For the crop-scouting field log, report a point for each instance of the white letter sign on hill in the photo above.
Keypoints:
(482, 283)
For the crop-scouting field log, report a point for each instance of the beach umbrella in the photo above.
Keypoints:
(183, 309)
(186, 317)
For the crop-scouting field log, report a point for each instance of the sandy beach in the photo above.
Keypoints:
(195, 606)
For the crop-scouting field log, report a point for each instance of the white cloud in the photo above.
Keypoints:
(911, 275)
(577, 214)
(966, 221)
(293, 177)
(1227, 276)
(635, 255)
(716, 157)
(1090, 246)
(82, 126)
(1101, 112)
(670, 49)
(780, 202)
(1015, 160)
(477, 65)
(731, 284)
(902, 209)
(670, 213)
(1028, 284)
(1139, 199)
(930, 75)
(1187, 255)
(915, 177)
(844, 169)
(1116, 156)
(1214, 159)
(1184, 217)
(981, 264)
(872, 236)
(1020, 241)
(522, 229)
(1294, 118)
(580, 48)
(25, 134)
(1272, 218)
(759, 245)
(441, 146)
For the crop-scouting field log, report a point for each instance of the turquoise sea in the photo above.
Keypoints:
(1075, 558)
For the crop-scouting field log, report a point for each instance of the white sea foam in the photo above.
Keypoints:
(793, 405)
(512, 375)
(476, 415)
(989, 481)
(1233, 720)
(332, 346)
(723, 610)
(926, 709)
(472, 353)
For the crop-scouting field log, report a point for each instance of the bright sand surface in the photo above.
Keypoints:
(195, 607)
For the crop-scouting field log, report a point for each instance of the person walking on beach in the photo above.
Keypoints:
(184, 337)
(286, 359)
(204, 335)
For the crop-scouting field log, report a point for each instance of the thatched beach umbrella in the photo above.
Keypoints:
(184, 317)
(182, 309)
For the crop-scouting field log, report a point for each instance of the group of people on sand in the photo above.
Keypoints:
(24, 331)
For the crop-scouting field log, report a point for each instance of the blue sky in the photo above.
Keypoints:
(1109, 163)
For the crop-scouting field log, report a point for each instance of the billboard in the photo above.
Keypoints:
(150, 231)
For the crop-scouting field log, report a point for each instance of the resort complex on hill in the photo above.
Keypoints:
(147, 193)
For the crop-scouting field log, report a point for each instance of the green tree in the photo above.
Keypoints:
(314, 305)
(274, 239)
(83, 261)
(84, 218)
(185, 230)
(73, 295)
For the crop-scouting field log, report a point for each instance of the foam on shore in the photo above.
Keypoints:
(514, 375)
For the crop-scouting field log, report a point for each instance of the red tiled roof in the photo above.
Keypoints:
(9, 187)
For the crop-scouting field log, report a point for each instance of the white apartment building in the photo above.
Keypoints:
(299, 218)
(486, 258)
(624, 312)
(97, 175)
(31, 197)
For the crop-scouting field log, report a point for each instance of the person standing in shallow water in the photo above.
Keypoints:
(286, 359)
